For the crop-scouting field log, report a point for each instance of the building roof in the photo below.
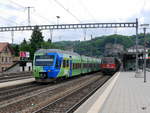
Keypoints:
(4, 45)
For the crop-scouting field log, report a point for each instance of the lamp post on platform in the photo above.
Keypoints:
(136, 64)
(58, 17)
(144, 26)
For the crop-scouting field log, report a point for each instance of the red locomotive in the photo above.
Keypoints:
(109, 65)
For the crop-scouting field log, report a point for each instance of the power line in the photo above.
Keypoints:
(19, 5)
(10, 21)
(44, 18)
(16, 4)
(87, 10)
(61, 5)
(143, 6)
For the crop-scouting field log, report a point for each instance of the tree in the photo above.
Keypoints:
(36, 41)
(48, 45)
(49, 40)
(24, 46)
(16, 49)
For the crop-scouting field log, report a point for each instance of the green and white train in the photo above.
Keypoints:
(50, 64)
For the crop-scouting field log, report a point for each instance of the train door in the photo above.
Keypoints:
(70, 65)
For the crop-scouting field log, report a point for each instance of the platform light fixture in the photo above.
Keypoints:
(58, 17)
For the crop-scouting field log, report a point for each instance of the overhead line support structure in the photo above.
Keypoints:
(70, 26)
(80, 26)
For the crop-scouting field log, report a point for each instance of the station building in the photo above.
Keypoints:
(129, 58)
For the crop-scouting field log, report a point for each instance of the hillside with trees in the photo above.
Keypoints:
(94, 47)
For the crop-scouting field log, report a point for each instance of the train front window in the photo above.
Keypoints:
(108, 61)
(44, 60)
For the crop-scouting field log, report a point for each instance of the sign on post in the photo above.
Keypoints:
(24, 54)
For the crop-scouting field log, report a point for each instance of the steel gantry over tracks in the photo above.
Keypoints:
(72, 26)
(79, 26)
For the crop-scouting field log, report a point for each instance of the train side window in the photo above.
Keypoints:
(60, 62)
(67, 63)
(64, 63)
(84, 65)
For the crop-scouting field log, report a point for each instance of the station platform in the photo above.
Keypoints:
(16, 82)
(123, 93)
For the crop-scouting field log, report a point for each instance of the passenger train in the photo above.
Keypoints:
(51, 64)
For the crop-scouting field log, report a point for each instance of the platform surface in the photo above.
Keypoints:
(129, 94)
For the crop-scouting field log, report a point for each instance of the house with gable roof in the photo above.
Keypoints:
(6, 56)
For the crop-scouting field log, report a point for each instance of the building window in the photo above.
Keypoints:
(2, 59)
(6, 50)
(9, 59)
(3, 68)
(6, 59)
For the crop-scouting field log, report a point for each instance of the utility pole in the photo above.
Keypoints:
(91, 37)
(51, 35)
(144, 55)
(29, 21)
(144, 29)
(136, 64)
(84, 30)
(12, 36)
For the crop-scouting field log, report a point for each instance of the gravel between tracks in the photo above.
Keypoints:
(36, 99)
(70, 102)
(14, 76)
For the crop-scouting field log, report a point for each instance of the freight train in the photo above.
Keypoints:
(51, 64)
(109, 65)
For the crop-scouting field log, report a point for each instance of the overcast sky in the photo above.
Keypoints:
(14, 12)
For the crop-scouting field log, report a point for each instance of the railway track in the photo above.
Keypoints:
(32, 98)
(7, 94)
(14, 76)
(69, 103)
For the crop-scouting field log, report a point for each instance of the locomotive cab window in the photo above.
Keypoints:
(44, 60)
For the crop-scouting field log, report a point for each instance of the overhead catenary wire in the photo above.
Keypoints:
(16, 4)
(8, 20)
(36, 14)
(62, 6)
(42, 17)
(87, 10)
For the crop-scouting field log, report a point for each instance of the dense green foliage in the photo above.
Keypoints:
(36, 42)
(16, 49)
(94, 47)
